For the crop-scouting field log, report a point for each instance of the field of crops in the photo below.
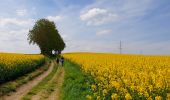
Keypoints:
(14, 65)
(125, 76)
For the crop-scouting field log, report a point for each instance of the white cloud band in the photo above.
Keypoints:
(97, 16)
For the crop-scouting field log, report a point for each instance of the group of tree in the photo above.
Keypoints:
(45, 34)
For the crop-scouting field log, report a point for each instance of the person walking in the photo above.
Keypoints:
(57, 60)
(62, 61)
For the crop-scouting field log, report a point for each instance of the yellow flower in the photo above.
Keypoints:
(115, 84)
(128, 96)
(158, 98)
(104, 92)
(146, 94)
(150, 98)
(13, 64)
(93, 87)
(150, 88)
(89, 97)
(116, 72)
(98, 98)
(114, 96)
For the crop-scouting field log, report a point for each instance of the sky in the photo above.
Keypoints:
(142, 26)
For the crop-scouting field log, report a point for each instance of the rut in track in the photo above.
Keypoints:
(57, 79)
(24, 89)
(56, 94)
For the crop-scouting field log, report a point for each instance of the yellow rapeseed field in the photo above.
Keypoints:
(14, 65)
(125, 76)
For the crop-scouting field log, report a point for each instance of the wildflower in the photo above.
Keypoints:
(98, 98)
(116, 72)
(158, 98)
(128, 96)
(104, 92)
(150, 98)
(114, 96)
(93, 87)
(89, 97)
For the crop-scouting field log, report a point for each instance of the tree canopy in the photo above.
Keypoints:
(45, 34)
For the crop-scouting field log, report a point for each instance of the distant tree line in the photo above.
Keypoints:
(45, 34)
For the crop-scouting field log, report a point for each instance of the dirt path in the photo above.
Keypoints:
(55, 94)
(24, 89)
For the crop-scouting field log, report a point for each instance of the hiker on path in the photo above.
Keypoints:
(62, 61)
(57, 60)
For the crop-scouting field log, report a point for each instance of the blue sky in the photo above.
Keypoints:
(143, 26)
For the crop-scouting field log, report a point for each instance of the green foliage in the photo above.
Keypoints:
(46, 36)
(76, 83)
(12, 85)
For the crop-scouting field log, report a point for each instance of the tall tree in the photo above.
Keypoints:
(46, 36)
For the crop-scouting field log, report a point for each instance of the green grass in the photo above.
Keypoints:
(41, 85)
(51, 85)
(76, 83)
(11, 86)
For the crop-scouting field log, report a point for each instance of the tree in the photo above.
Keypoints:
(46, 36)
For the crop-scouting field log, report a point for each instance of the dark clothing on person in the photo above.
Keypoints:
(57, 60)
(62, 61)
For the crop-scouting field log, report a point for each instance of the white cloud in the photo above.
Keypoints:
(15, 21)
(120, 11)
(21, 12)
(104, 32)
(14, 35)
(76, 35)
(16, 41)
(54, 18)
(93, 13)
(97, 16)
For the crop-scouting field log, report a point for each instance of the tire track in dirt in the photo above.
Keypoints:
(58, 81)
(57, 93)
(24, 89)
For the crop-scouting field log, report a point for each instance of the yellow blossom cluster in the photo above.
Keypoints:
(125, 76)
(14, 65)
